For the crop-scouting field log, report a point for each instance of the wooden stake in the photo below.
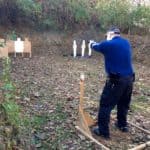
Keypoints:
(84, 118)
(81, 92)
(83, 122)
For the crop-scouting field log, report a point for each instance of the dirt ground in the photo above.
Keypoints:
(48, 86)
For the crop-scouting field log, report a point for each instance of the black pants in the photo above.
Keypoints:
(116, 92)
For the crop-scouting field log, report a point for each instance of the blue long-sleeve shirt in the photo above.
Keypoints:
(118, 55)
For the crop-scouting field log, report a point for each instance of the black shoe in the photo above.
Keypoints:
(121, 128)
(98, 133)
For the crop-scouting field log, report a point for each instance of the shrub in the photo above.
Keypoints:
(11, 109)
(114, 12)
(141, 16)
(65, 14)
(80, 10)
(15, 11)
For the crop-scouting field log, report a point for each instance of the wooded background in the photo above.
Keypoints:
(73, 14)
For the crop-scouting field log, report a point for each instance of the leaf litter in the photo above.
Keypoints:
(48, 93)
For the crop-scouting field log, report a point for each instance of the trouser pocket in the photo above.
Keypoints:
(111, 93)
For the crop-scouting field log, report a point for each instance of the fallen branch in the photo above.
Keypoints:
(132, 124)
(91, 138)
(146, 131)
(142, 146)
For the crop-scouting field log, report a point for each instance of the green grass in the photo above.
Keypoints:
(12, 111)
(59, 114)
(38, 121)
(140, 106)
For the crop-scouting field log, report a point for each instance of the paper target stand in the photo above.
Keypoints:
(15, 47)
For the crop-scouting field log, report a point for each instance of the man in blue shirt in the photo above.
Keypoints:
(117, 53)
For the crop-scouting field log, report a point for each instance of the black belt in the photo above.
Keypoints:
(118, 77)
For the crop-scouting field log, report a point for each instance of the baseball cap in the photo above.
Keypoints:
(114, 29)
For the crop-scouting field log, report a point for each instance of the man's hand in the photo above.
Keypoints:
(91, 42)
